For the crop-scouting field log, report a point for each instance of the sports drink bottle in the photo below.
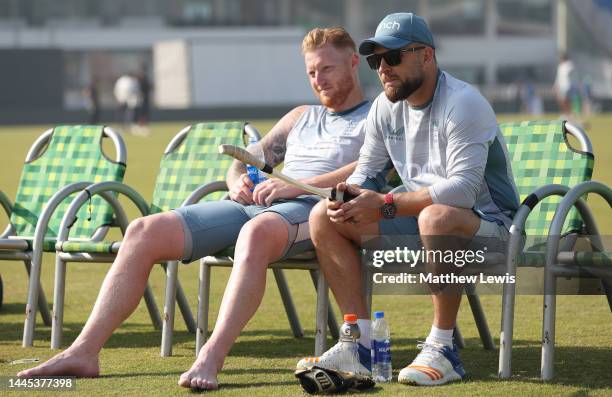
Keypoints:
(349, 335)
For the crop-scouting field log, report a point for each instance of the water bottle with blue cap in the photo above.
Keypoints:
(381, 349)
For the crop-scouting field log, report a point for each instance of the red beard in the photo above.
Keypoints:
(344, 88)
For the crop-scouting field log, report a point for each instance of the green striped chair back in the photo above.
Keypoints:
(541, 155)
(73, 154)
(195, 162)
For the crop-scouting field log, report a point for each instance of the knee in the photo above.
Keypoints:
(142, 230)
(155, 237)
(318, 214)
(136, 230)
(263, 236)
(258, 227)
(319, 222)
(435, 219)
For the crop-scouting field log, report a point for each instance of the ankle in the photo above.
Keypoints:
(441, 336)
(81, 350)
(209, 356)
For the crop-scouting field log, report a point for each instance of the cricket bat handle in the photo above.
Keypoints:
(338, 195)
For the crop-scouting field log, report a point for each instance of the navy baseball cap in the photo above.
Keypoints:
(397, 31)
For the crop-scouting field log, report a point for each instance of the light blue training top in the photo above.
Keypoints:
(322, 141)
(452, 146)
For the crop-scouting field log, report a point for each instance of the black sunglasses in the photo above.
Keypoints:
(391, 57)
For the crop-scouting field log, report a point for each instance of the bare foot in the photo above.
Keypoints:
(66, 363)
(202, 374)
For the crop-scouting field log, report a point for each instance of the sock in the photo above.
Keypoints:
(364, 329)
(441, 336)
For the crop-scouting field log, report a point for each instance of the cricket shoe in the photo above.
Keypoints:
(341, 359)
(436, 364)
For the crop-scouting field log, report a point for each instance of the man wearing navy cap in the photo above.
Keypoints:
(443, 139)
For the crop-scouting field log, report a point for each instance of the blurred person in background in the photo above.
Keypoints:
(588, 105)
(92, 101)
(144, 108)
(566, 87)
(128, 95)
(531, 101)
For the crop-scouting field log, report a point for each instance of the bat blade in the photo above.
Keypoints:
(247, 158)
(244, 156)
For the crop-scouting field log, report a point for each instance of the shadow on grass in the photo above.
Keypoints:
(270, 343)
(288, 374)
(225, 386)
(12, 308)
(231, 371)
(294, 384)
(255, 384)
(129, 335)
(584, 367)
(574, 365)
(140, 374)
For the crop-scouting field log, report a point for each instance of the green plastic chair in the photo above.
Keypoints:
(61, 162)
(191, 170)
(541, 155)
(552, 178)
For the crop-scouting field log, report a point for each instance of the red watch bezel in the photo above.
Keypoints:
(389, 198)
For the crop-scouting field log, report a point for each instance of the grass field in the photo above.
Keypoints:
(261, 362)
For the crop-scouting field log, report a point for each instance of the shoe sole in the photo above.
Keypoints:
(438, 382)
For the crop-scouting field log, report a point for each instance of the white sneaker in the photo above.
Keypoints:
(436, 364)
(340, 358)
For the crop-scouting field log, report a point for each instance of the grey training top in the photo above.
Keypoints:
(452, 146)
(322, 141)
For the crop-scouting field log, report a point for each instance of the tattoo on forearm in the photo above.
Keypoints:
(274, 144)
(275, 149)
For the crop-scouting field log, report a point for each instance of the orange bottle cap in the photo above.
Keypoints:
(350, 318)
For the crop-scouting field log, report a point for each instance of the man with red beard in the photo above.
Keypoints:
(318, 144)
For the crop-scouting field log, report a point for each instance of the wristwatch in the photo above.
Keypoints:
(388, 209)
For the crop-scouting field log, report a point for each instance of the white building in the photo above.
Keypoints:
(491, 43)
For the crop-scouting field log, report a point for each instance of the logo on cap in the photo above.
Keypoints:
(388, 25)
